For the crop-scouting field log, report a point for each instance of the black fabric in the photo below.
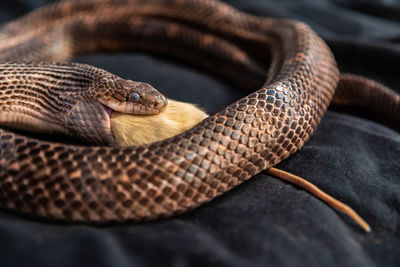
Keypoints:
(263, 222)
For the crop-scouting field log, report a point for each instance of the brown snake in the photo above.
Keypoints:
(102, 183)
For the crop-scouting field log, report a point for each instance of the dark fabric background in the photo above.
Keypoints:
(264, 222)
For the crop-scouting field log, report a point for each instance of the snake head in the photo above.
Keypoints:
(89, 118)
(131, 97)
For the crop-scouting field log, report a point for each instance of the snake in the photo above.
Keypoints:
(289, 72)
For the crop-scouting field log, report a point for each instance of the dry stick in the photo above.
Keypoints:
(338, 205)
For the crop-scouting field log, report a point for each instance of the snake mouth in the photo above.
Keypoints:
(107, 126)
(107, 110)
(147, 108)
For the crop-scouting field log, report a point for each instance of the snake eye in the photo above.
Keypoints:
(134, 97)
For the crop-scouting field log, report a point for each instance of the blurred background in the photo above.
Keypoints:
(264, 222)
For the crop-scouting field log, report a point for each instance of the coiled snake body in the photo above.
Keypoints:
(102, 183)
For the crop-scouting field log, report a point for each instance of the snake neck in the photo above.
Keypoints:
(27, 101)
(52, 98)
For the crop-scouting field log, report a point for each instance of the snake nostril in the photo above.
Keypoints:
(159, 101)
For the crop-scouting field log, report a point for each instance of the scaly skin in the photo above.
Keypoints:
(59, 97)
(101, 184)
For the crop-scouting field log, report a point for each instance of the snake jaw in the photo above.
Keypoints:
(145, 107)
(90, 122)
(107, 110)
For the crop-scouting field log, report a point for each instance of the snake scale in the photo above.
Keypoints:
(293, 68)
